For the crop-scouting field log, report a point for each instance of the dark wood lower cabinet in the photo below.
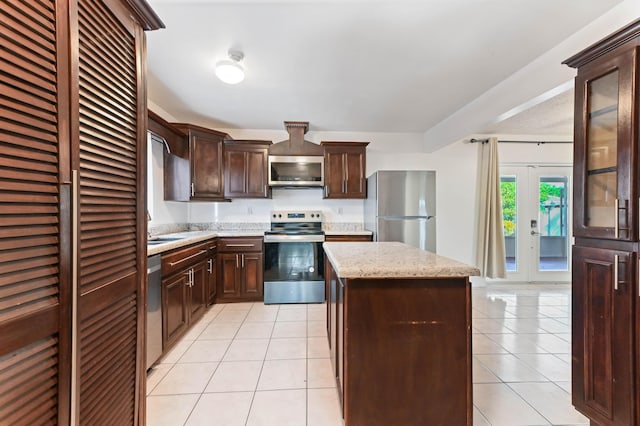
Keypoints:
(185, 283)
(602, 335)
(230, 279)
(174, 308)
(240, 270)
(197, 299)
(401, 350)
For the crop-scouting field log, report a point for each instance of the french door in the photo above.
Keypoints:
(536, 206)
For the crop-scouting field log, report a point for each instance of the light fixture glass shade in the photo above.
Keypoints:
(230, 72)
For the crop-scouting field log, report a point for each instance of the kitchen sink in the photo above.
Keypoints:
(162, 240)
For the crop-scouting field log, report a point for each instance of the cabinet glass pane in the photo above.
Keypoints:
(602, 152)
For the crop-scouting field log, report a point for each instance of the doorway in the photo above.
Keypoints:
(536, 206)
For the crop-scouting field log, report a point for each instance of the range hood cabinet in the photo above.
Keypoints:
(295, 162)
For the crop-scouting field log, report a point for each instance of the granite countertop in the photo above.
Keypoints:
(186, 238)
(391, 260)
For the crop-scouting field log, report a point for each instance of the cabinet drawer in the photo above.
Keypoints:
(239, 245)
(182, 258)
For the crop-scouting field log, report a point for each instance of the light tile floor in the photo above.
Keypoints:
(251, 364)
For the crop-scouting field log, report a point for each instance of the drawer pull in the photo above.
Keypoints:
(616, 259)
(201, 252)
(241, 245)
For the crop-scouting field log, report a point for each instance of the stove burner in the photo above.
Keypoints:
(296, 223)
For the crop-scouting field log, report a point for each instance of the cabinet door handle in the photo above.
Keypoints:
(193, 189)
(616, 219)
(616, 258)
(187, 258)
(210, 265)
(326, 191)
(237, 265)
(243, 260)
(266, 191)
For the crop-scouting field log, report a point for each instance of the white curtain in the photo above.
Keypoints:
(490, 242)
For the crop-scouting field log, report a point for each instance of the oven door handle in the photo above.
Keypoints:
(294, 238)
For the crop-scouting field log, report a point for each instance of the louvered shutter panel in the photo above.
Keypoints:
(33, 328)
(108, 183)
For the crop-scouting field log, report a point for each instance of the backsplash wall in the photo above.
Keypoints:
(258, 210)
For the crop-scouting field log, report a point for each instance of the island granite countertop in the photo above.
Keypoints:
(391, 260)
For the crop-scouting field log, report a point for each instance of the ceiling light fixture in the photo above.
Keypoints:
(230, 71)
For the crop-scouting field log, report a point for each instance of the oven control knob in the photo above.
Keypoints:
(274, 215)
(279, 215)
(313, 215)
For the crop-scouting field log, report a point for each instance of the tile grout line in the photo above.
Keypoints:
(253, 396)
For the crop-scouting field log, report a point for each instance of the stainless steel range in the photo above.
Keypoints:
(293, 258)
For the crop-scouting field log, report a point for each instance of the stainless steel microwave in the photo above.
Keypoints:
(296, 171)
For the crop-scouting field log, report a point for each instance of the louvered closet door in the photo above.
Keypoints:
(34, 336)
(109, 204)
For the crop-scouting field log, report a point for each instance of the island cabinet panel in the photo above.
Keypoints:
(401, 349)
(602, 332)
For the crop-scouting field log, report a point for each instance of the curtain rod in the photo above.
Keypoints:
(483, 141)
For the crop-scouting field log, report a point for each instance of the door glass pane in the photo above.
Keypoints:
(508, 190)
(552, 227)
(602, 133)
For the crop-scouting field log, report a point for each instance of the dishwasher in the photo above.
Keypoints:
(154, 310)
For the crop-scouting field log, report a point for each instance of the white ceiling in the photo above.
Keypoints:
(356, 65)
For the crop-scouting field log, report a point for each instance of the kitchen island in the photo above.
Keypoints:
(399, 327)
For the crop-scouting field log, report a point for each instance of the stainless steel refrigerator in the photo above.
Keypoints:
(401, 206)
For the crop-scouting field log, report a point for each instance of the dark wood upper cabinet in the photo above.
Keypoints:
(605, 155)
(245, 169)
(72, 151)
(174, 138)
(605, 272)
(195, 171)
(345, 166)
